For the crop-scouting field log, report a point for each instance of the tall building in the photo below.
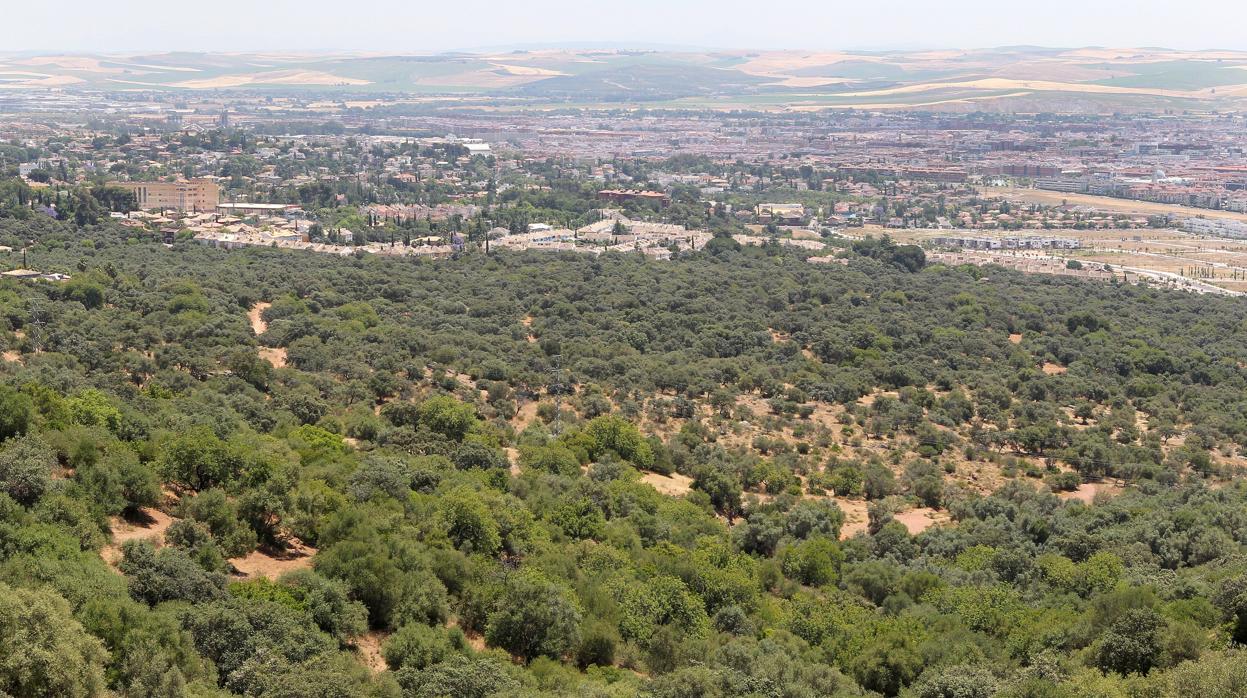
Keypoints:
(188, 195)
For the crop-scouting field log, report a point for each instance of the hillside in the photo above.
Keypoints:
(1018, 78)
(263, 472)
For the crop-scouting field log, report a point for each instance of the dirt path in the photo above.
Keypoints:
(513, 457)
(273, 355)
(255, 315)
(368, 646)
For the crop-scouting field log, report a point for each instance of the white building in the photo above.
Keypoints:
(1215, 227)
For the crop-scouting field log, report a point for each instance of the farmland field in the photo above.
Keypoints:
(1110, 204)
(1218, 261)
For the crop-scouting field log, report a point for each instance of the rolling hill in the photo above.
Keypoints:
(1010, 78)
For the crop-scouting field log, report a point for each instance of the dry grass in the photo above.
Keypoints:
(527, 70)
(1108, 203)
(856, 519)
(1156, 250)
(1089, 492)
(922, 518)
(524, 416)
(276, 77)
(673, 485)
(274, 355)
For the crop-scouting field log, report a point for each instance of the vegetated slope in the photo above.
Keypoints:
(483, 561)
(644, 81)
(1010, 78)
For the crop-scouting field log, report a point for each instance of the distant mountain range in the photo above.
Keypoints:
(1014, 78)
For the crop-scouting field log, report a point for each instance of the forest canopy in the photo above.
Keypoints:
(258, 472)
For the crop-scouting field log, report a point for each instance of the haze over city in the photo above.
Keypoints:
(421, 27)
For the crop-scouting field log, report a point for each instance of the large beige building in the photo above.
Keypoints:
(201, 195)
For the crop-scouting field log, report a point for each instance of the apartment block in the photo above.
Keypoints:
(199, 195)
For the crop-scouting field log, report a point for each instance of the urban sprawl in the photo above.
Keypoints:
(405, 178)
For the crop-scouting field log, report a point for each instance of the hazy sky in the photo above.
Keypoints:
(418, 26)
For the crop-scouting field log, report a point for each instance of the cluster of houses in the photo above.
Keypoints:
(1032, 265)
(614, 232)
(1012, 242)
(1215, 227)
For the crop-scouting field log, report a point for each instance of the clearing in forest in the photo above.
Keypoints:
(856, 518)
(146, 524)
(674, 485)
(264, 562)
(1088, 491)
(920, 519)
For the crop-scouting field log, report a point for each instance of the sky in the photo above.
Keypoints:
(418, 26)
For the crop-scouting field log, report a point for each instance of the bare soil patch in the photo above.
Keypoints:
(475, 640)
(1053, 369)
(1108, 203)
(513, 457)
(368, 646)
(1088, 491)
(276, 77)
(524, 416)
(274, 355)
(856, 519)
(255, 316)
(920, 519)
(272, 564)
(144, 525)
(673, 485)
